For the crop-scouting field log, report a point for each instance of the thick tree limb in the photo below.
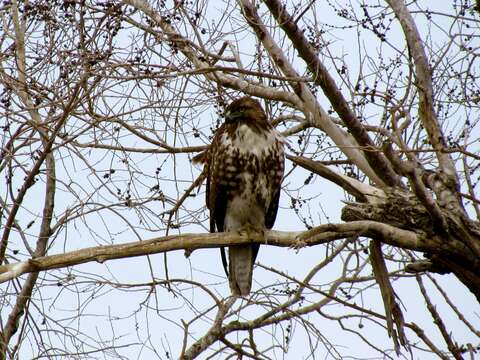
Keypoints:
(446, 183)
(322, 78)
(318, 235)
(403, 210)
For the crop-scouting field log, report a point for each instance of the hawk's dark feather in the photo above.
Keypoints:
(245, 165)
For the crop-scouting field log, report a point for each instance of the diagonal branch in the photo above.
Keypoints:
(25, 294)
(362, 191)
(321, 77)
(447, 336)
(215, 332)
(423, 74)
(35, 169)
(23, 297)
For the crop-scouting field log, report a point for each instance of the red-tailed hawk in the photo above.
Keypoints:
(245, 166)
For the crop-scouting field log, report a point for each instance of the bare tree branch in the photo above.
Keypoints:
(319, 235)
(321, 77)
(196, 59)
(393, 313)
(424, 78)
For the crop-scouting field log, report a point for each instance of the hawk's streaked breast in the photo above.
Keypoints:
(245, 168)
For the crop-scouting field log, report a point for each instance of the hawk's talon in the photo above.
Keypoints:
(298, 244)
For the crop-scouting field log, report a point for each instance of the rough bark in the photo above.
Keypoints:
(448, 252)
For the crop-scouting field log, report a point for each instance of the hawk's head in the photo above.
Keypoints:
(246, 109)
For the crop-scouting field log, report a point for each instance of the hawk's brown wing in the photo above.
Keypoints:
(216, 197)
(246, 164)
(271, 214)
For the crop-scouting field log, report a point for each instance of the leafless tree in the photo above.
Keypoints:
(104, 104)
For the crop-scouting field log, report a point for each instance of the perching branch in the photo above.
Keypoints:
(318, 235)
